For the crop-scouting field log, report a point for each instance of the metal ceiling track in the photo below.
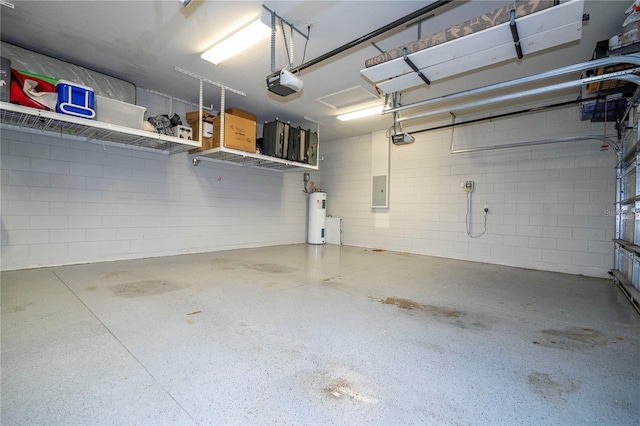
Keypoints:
(632, 59)
(626, 75)
(410, 17)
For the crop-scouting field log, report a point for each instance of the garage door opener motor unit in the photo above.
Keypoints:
(283, 83)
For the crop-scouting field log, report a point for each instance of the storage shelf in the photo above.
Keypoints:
(60, 124)
(628, 201)
(627, 288)
(628, 245)
(249, 159)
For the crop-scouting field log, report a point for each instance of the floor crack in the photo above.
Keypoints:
(123, 346)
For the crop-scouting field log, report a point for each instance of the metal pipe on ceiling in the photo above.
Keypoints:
(433, 6)
(633, 59)
(507, 114)
(626, 75)
(602, 138)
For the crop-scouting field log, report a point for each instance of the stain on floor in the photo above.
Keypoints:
(340, 388)
(476, 325)
(574, 337)
(554, 387)
(113, 274)
(18, 308)
(143, 288)
(334, 282)
(223, 264)
(273, 268)
(411, 305)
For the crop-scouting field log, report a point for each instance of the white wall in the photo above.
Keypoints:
(67, 201)
(548, 204)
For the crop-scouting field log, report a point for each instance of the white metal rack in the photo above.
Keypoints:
(67, 125)
(60, 124)
(251, 160)
(229, 155)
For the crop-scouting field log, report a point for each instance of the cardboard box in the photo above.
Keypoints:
(239, 133)
(207, 131)
(239, 113)
(193, 115)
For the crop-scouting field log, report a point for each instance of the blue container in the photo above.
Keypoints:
(75, 99)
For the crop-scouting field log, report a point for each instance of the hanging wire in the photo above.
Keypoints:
(468, 219)
(453, 128)
(304, 51)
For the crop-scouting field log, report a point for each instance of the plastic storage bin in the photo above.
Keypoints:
(75, 99)
(121, 113)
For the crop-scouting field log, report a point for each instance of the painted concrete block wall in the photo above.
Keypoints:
(67, 201)
(550, 205)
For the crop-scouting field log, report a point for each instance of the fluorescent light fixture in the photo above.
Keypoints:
(237, 42)
(361, 113)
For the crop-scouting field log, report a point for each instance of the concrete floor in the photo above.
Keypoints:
(315, 334)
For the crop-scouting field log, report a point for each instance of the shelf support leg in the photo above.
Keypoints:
(201, 124)
(222, 114)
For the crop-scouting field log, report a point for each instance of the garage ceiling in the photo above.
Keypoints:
(144, 41)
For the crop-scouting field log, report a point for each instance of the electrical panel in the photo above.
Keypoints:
(379, 192)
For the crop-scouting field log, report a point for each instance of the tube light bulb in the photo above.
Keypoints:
(361, 113)
(237, 42)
